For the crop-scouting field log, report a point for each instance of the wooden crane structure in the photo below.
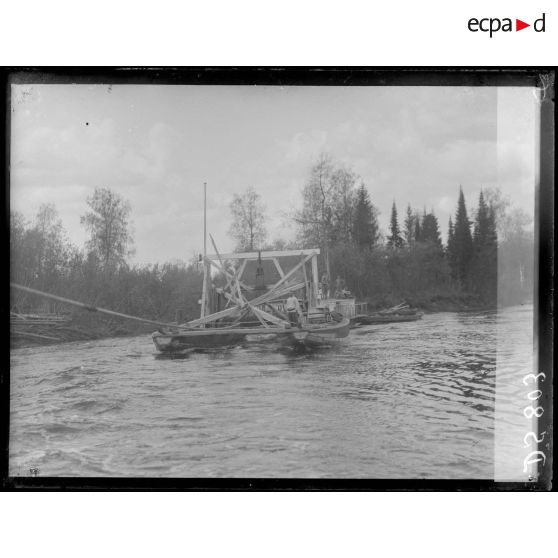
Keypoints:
(264, 303)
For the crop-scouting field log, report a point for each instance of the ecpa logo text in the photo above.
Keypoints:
(494, 24)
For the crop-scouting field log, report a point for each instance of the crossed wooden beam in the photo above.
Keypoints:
(236, 296)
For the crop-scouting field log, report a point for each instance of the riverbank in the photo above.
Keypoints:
(87, 326)
(78, 326)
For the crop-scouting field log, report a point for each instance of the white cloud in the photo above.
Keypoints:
(157, 145)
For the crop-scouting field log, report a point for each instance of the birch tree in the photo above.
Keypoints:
(248, 221)
(109, 226)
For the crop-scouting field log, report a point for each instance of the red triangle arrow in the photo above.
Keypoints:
(519, 25)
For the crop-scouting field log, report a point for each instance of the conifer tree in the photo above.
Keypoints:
(418, 228)
(410, 226)
(492, 225)
(485, 244)
(365, 227)
(462, 245)
(450, 232)
(430, 231)
(480, 231)
(395, 239)
(450, 250)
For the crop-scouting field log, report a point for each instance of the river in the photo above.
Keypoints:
(403, 400)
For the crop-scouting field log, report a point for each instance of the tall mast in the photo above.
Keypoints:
(204, 288)
(204, 220)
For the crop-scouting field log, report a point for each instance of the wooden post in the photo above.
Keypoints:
(278, 267)
(307, 289)
(315, 280)
(204, 292)
(328, 274)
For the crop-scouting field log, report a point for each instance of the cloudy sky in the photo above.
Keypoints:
(156, 145)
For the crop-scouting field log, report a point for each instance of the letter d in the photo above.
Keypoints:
(535, 25)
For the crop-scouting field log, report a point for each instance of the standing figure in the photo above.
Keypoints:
(325, 285)
(293, 309)
(338, 287)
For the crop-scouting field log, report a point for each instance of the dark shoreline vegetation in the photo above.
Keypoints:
(486, 260)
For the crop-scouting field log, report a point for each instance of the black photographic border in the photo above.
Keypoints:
(541, 77)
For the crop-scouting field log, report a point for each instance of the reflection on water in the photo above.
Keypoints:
(403, 400)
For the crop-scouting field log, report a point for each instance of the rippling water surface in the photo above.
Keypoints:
(402, 400)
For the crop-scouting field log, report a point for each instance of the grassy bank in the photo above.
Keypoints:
(80, 326)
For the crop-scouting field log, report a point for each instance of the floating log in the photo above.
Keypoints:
(36, 322)
(27, 334)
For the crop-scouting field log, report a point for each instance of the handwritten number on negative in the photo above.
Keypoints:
(534, 378)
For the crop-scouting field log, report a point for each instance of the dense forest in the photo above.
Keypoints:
(487, 257)
(42, 257)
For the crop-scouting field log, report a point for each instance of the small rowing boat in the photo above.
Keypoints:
(383, 319)
(400, 313)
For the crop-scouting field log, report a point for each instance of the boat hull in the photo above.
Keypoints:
(315, 335)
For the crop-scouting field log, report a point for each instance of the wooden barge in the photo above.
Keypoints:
(244, 311)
